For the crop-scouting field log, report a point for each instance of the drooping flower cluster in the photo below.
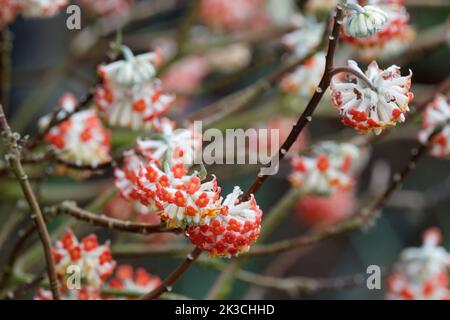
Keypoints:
(232, 231)
(374, 25)
(305, 79)
(374, 107)
(28, 8)
(437, 113)
(138, 281)
(93, 260)
(329, 169)
(234, 15)
(421, 273)
(81, 139)
(130, 96)
(306, 37)
(106, 7)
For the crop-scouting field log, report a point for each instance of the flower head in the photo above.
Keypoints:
(232, 231)
(234, 15)
(41, 8)
(129, 95)
(82, 139)
(322, 211)
(306, 37)
(435, 114)
(421, 273)
(375, 24)
(328, 170)
(138, 281)
(364, 21)
(170, 145)
(94, 260)
(375, 107)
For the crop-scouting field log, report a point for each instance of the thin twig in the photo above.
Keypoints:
(13, 155)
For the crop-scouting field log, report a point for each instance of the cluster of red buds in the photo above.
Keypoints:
(421, 273)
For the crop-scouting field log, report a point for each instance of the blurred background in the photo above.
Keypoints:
(48, 60)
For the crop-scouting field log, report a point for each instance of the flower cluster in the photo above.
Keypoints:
(305, 79)
(234, 15)
(29, 8)
(306, 37)
(437, 113)
(374, 107)
(329, 169)
(232, 231)
(139, 281)
(421, 273)
(93, 260)
(130, 96)
(81, 139)
(106, 7)
(376, 24)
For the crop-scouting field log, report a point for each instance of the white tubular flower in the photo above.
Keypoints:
(435, 114)
(421, 273)
(375, 107)
(364, 21)
(41, 8)
(94, 260)
(331, 168)
(170, 145)
(9, 10)
(305, 79)
(82, 139)
(307, 36)
(126, 175)
(232, 231)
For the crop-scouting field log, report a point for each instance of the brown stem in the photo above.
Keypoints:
(13, 155)
(166, 285)
(54, 121)
(71, 209)
(306, 116)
